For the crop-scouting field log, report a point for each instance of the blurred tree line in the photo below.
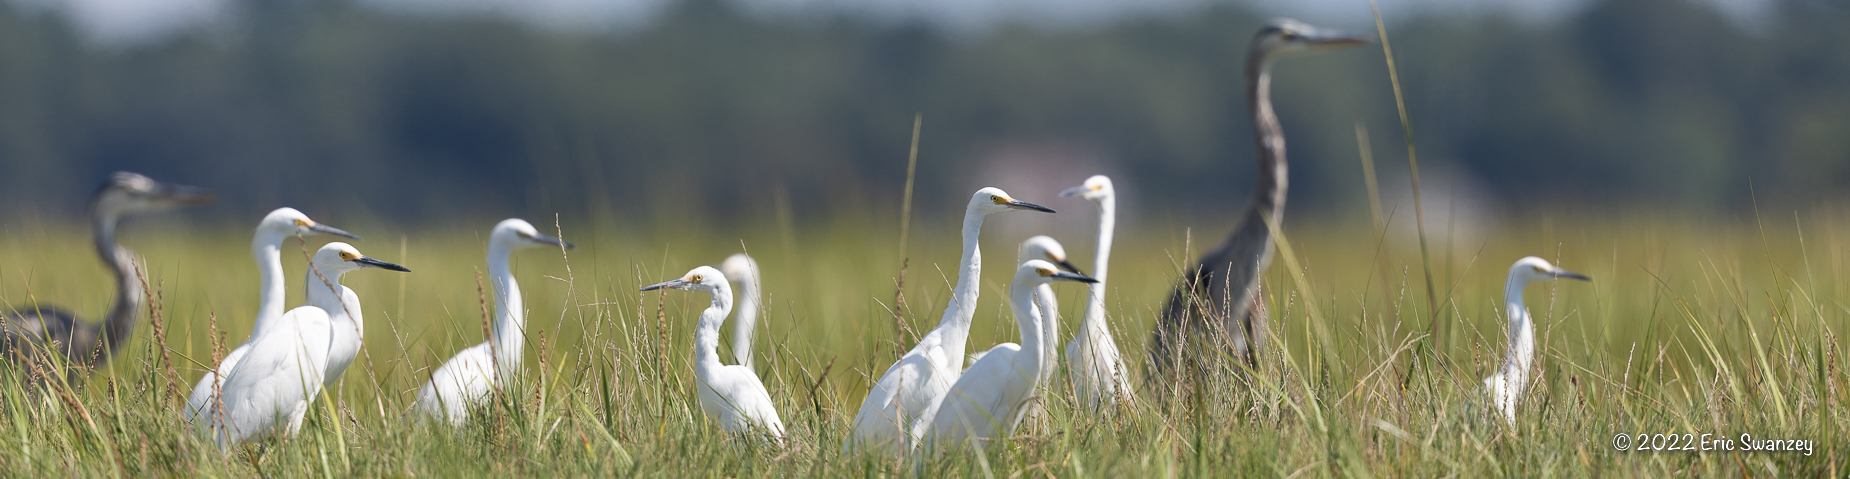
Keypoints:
(710, 109)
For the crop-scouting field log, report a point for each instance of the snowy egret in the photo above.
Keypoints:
(1093, 363)
(84, 344)
(732, 395)
(988, 401)
(1507, 384)
(1043, 248)
(743, 271)
(465, 381)
(266, 248)
(889, 417)
(1224, 285)
(269, 392)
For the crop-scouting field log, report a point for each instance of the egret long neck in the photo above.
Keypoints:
(1049, 307)
(1022, 302)
(327, 295)
(706, 334)
(1522, 335)
(509, 334)
(267, 249)
(122, 263)
(957, 315)
(1094, 319)
(747, 319)
(1269, 194)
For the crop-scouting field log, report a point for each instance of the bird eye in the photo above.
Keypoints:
(345, 256)
(998, 200)
(1044, 272)
(693, 279)
(1538, 269)
(304, 223)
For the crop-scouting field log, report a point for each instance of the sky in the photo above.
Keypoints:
(137, 21)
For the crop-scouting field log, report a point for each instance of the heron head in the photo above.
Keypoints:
(518, 233)
(288, 221)
(133, 193)
(1284, 37)
(1037, 272)
(335, 259)
(1096, 188)
(1532, 269)
(1045, 249)
(703, 278)
(993, 200)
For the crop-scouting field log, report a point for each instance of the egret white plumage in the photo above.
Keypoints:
(1044, 248)
(988, 401)
(1506, 386)
(741, 270)
(84, 344)
(889, 416)
(1097, 371)
(466, 380)
(266, 249)
(732, 395)
(269, 392)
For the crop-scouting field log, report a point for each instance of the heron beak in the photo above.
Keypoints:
(1076, 277)
(330, 230)
(185, 195)
(1067, 265)
(1562, 273)
(1023, 205)
(1336, 39)
(369, 262)
(1075, 191)
(677, 283)
(543, 239)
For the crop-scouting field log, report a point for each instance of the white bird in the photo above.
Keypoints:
(743, 271)
(266, 249)
(1506, 386)
(466, 380)
(731, 395)
(988, 401)
(1045, 249)
(288, 365)
(889, 417)
(1097, 371)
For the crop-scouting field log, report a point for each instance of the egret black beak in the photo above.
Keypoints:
(1075, 191)
(677, 283)
(325, 229)
(1562, 273)
(1065, 276)
(1067, 265)
(543, 239)
(368, 262)
(1023, 205)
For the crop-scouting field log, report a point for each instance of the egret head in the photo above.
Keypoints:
(1097, 188)
(1285, 37)
(131, 193)
(1045, 249)
(288, 221)
(335, 259)
(704, 278)
(738, 266)
(519, 234)
(992, 200)
(1037, 272)
(1532, 269)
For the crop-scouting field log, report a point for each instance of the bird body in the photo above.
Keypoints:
(1043, 248)
(731, 395)
(889, 416)
(1094, 365)
(1506, 385)
(466, 380)
(741, 270)
(343, 307)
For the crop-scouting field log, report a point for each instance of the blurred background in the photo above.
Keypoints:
(421, 111)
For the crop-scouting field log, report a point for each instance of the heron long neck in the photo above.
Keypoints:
(1022, 302)
(1049, 307)
(1522, 336)
(747, 319)
(957, 315)
(706, 334)
(122, 263)
(1094, 319)
(267, 249)
(1269, 194)
(509, 334)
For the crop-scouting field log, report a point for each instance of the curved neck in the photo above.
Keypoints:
(962, 308)
(1522, 335)
(120, 322)
(706, 334)
(327, 295)
(1050, 326)
(747, 319)
(267, 250)
(1101, 263)
(1267, 134)
(509, 334)
(1023, 302)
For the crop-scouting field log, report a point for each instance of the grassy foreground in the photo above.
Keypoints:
(1691, 326)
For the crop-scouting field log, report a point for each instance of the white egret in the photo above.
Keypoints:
(1044, 248)
(84, 344)
(266, 248)
(988, 401)
(743, 271)
(1507, 384)
(466, 380)
(889, 417)
(1097, 371)
(731, 395)
(269, 392)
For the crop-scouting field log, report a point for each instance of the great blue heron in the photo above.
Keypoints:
(889, 416)
(1506, 385)
(732, 395)
(1224, 285)
(466, 379)
(29, 328)
(741, 270)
